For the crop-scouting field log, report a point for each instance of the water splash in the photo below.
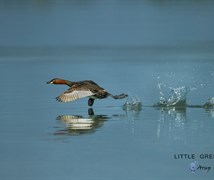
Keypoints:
(209, 103)
(133, 105)
(176, 99)
(209, 107)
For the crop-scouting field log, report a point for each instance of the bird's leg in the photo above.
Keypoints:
(90, 101)
(90, 112)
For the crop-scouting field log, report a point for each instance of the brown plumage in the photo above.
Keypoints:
(83, 89)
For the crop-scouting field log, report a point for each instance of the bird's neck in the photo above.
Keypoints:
(65, 82)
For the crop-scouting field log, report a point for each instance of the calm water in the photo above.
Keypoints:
(118, 139)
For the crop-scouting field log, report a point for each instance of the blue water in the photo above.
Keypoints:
(160, 53)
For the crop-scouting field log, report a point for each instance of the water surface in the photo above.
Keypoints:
(42, 138)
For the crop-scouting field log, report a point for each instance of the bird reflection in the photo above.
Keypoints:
(77, 125)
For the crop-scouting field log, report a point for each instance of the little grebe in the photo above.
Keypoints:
(82, 89)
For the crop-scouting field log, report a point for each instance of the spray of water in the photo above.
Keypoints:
(133, 104)
(177, 97)
(209, 103)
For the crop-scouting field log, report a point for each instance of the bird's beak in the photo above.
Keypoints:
(49, 82)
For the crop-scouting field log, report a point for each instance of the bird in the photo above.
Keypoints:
(81, 89)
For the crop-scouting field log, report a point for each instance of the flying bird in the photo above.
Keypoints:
(83, 89)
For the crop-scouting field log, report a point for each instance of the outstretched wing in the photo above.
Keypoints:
(73, 94)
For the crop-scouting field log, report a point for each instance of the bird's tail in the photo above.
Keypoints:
(121, 96)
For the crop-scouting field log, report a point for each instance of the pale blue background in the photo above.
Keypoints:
(125, 46)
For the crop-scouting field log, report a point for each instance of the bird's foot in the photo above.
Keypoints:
(121, 96)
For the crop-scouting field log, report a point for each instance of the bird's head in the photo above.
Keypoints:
(54, 81)
(59, 81)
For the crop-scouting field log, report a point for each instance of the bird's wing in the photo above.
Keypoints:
(73, 94)
(92, 85)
